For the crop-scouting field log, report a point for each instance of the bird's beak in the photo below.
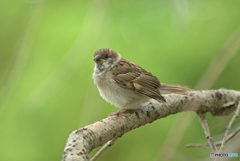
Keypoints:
(97, 59)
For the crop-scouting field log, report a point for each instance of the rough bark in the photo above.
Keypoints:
(81, 142)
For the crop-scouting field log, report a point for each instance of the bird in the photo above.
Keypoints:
(127, 85)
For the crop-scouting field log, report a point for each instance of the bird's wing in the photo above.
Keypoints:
(131, 76)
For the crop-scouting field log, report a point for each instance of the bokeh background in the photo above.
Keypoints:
(46, 85)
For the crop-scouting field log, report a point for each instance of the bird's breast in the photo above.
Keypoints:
(110, 91)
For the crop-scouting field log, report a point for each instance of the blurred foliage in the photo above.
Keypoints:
(46, 86)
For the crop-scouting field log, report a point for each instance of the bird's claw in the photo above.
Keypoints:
(118, 113)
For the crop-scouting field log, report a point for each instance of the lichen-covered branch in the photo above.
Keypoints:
(82, 141)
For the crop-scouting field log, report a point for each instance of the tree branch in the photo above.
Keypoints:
(81, 142)
(108, 144)
(218, 143)
(207, 132)
(229, 126)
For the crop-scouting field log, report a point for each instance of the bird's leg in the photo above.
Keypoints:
(119, 112)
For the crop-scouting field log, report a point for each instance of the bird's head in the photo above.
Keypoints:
(105, 58)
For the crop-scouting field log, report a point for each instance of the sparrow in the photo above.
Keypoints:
(127, 85)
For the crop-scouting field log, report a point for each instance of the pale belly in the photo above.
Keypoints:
(117, 95)
(114, 94)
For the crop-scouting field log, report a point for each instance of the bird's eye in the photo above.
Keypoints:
(106, 56)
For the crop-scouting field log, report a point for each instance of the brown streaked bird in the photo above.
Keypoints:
(127, 85)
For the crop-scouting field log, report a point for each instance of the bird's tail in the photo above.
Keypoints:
(174, 88)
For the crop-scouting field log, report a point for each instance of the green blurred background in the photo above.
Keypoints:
(46, 85)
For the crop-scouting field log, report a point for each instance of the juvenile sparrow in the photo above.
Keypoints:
(127, 85)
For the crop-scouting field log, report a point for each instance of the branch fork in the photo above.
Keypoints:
(81, 142)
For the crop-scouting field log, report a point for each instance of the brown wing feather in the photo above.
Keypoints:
(131, 76)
